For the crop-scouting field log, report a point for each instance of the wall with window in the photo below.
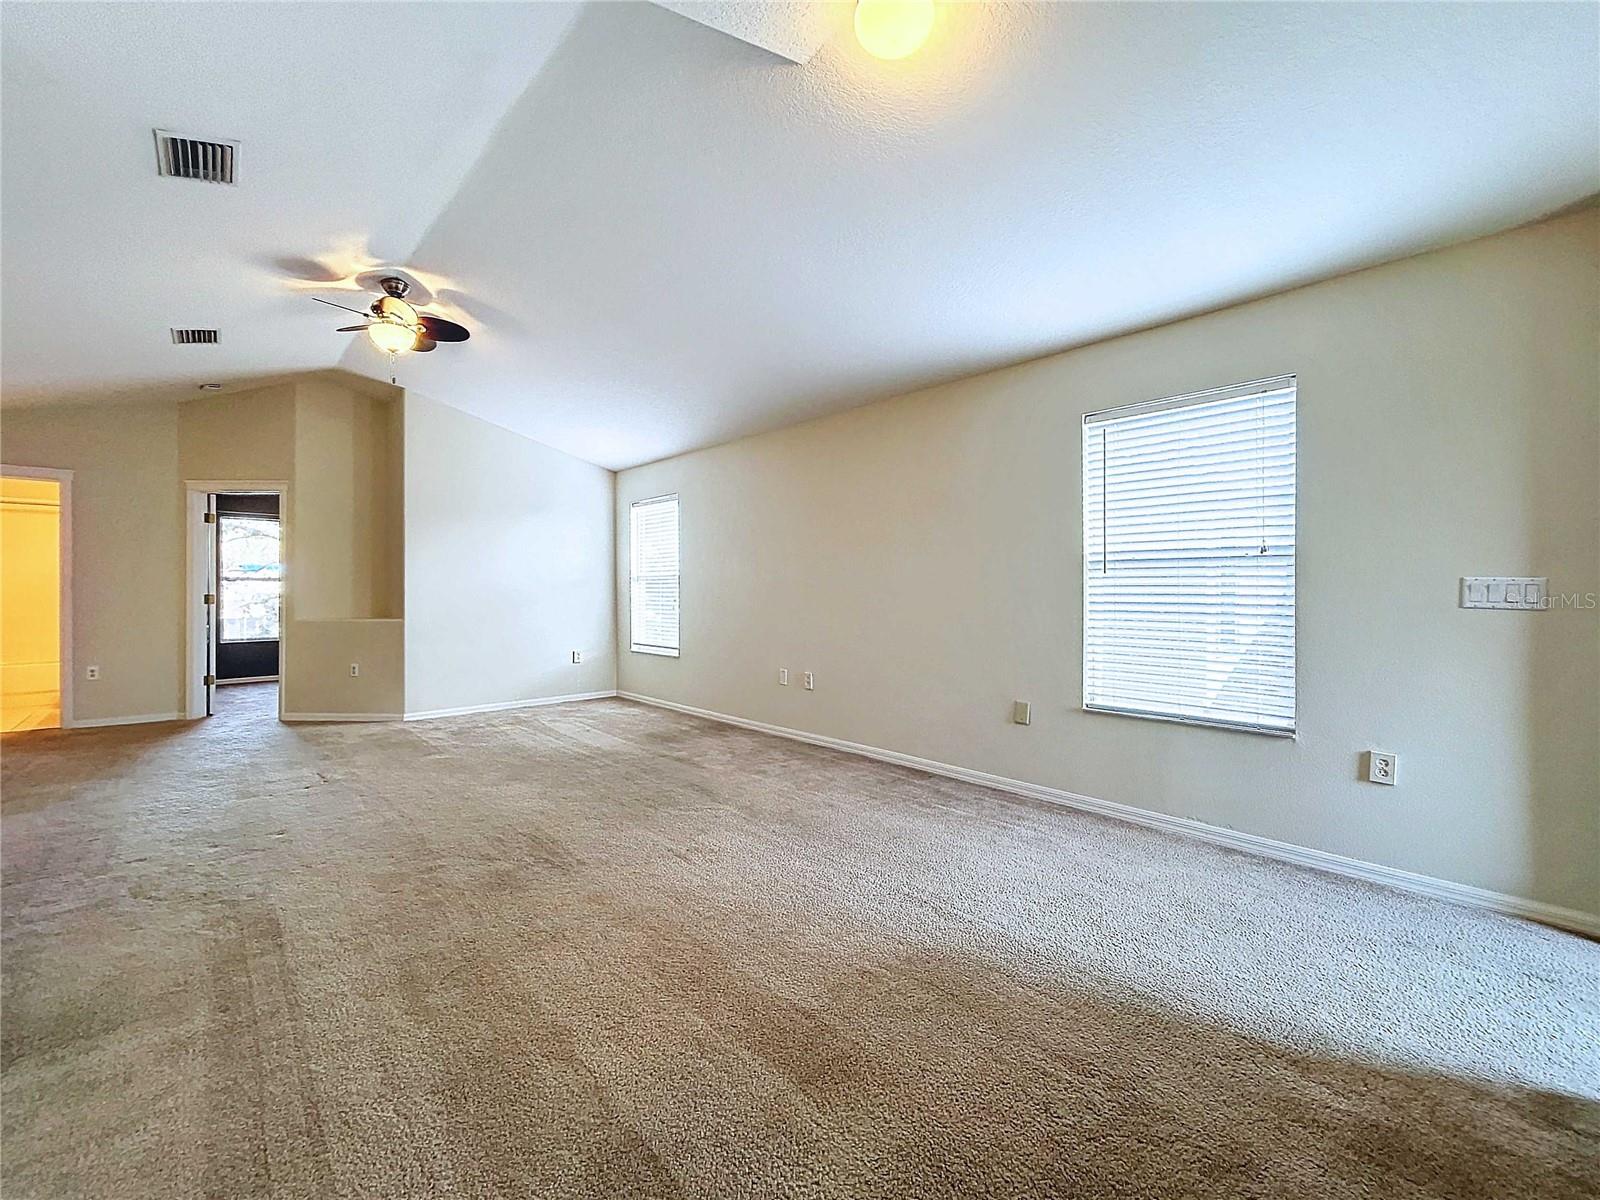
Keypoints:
(923, 557)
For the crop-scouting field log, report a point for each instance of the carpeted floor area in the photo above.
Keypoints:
(603, 950)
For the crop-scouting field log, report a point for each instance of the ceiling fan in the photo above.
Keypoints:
(396, 327)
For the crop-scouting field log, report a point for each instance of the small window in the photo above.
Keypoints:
(250, 578)
(1188, 558)
(653, 576)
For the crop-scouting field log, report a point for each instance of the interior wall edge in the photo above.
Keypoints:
(510, 705)
(1466, 895)
(135, 719)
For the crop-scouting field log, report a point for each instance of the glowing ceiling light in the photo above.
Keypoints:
(391, 336)
(893, 28)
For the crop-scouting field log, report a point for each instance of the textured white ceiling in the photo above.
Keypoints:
(672, 238)
(356, 123)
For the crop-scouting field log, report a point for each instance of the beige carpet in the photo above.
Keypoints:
(603, 950)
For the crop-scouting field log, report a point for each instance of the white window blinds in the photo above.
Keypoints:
(1188, 558)
(653, 575)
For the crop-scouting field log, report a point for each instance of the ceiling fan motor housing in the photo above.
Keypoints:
(391, 310)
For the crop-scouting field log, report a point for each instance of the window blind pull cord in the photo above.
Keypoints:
(1105, 475)
(1261, 471)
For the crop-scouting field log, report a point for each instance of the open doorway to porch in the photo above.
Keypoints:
(236, 618)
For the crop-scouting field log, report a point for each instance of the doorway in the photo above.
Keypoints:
(35, 598)
(236, 608)
(249, 590)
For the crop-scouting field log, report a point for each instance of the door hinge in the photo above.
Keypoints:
(211, 597)
(209, 680)
(211, 518)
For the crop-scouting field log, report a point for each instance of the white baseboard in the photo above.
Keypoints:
(339, 716)
(141, 719)
(538, 702)
(1462, 894)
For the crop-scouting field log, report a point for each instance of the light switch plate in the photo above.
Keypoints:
(809, 681)
(577, 656)
(1504, 591)
(1021, 712)
(783, 676)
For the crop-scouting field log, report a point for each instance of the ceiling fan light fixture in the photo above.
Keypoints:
(392, 336)
(893, 29)
(395, 309)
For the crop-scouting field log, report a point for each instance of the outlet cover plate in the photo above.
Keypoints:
(1382, 766)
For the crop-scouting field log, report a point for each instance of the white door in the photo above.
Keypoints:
(202, 607)
(213, 586)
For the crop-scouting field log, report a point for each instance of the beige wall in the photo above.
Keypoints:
(508, 563)
(318, 682)
(335, 443)
(127, 547)
(345, 552)
(329, 440)
(248, 436)
(921, 556)
(347, 503)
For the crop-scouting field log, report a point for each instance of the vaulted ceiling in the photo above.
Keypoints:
(662, 236)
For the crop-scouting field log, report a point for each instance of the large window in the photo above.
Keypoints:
(250, 578)
(653, 575)
(1188, 558)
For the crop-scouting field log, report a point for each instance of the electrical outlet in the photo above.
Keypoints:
(91, 673)
(1021, 712)
(577, 656)
(1381, 767)
(809, 681)
(783, 676)
(355, 670)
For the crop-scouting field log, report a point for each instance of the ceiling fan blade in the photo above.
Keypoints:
(350, 329)
(424, 345)
(441, 330)
(358, 312)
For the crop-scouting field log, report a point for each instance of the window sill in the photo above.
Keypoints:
(658, 651)
(1197, 722)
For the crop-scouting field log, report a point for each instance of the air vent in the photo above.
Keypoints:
(194, 337)
(195, 158)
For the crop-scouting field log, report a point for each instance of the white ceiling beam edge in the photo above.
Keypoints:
(795, 31)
